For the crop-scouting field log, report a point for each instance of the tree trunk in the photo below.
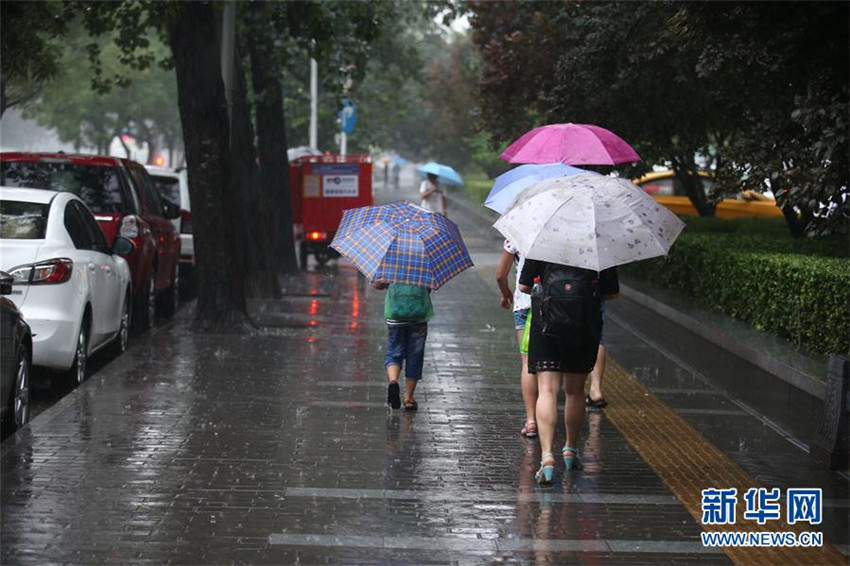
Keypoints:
(796, 227)
(260, 275)
(797, 221)
(124, 145)
(271, 144)
(149, 138)
(216, 207)
(686, 173)
(3, 98)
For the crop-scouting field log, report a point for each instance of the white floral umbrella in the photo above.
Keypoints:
(588, 221)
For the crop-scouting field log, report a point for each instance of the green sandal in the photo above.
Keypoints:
(572, 461)
(545, 473)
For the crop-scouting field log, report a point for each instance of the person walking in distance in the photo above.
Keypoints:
(396, 175)
(431, 195)
(521, 303)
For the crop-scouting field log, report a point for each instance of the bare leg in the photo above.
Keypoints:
(596, 375)
(548, 383)
(409, 388)
(528, 381)
(574, 406)
(393, 371)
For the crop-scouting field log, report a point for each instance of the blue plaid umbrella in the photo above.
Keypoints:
(402, 243)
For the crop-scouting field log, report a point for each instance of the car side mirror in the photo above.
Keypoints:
(122, 246)
(6, 281)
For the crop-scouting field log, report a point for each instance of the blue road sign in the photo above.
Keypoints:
(348, 116)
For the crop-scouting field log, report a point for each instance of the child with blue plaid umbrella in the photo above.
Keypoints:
(407, 309)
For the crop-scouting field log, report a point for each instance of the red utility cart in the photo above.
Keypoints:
(323, 186)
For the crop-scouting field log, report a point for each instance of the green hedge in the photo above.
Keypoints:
(801, 297)
(766, 235)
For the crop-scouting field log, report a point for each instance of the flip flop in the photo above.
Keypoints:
(411, 405)
(601, 404)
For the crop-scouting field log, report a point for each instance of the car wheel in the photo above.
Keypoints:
(79, 369)
(147, 305)
(21, 394)
(19, 399)
(122, 339)
(171, 298)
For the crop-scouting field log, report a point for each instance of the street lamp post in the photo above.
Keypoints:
(314, 103)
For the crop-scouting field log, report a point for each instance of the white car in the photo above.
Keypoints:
(73, 290)
(172, 185)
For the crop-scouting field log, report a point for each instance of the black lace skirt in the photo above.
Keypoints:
(546, 353)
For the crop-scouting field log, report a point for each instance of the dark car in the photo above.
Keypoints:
(15, 361)
(125, 203)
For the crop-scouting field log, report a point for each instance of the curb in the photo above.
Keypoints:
(811, 384)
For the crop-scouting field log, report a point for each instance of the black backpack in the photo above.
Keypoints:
(569, 305)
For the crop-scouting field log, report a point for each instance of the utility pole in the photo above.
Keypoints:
(314, 103)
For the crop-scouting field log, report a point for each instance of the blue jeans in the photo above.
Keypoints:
(406, 346)
(520, 317)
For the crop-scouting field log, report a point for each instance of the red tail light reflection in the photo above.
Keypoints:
(355, 308)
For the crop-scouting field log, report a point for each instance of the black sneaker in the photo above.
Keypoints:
(393, 397)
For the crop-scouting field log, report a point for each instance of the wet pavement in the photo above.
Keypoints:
(278, 448)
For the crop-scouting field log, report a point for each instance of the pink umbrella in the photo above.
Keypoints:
(573, 144)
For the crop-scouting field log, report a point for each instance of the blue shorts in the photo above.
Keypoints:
(406, 347)
(520, 317)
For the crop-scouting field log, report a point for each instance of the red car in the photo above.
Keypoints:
(125, 202)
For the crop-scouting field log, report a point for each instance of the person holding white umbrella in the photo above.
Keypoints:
(563, 348)
(570, 230)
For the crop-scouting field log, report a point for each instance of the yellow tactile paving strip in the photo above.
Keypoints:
(687, 462)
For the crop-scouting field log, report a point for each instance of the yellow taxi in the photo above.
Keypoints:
(665, 188)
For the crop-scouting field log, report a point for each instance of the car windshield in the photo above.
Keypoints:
(23, 220)
(168, 188)
(98, 187)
